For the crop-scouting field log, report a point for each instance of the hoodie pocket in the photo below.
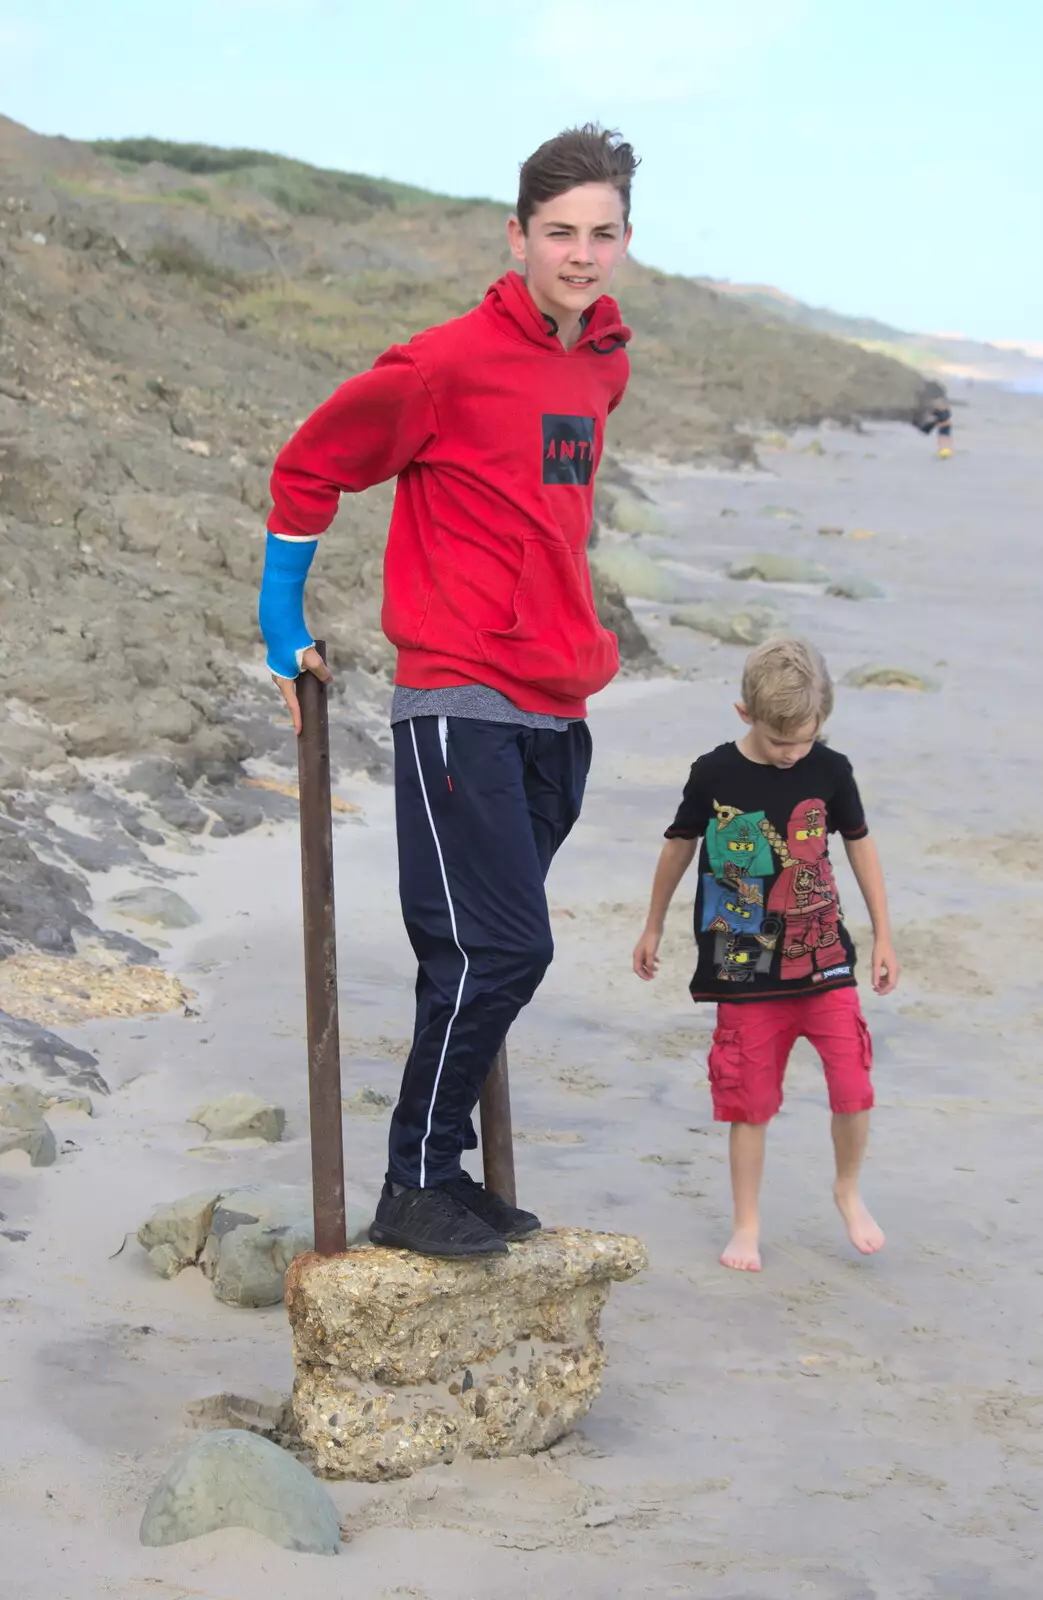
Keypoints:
(556, 642)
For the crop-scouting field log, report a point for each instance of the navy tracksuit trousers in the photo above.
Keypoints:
(481, 809)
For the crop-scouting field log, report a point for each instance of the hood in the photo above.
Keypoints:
(509, 301)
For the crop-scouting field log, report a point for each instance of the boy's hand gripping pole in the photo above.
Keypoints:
(497, 1137)
(320, 965)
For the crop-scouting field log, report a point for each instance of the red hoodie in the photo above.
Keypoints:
(494, 431)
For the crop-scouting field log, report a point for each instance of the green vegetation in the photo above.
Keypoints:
(293, 186)
(202, 158)
(179, 257)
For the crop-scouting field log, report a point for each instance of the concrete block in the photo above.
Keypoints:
(405, 1360)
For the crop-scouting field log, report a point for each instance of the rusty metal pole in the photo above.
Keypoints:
(497, 1136)
(320, 965)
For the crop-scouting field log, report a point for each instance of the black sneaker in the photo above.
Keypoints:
(433, 1222)
(507, 1221)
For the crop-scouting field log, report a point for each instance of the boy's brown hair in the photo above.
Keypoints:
(591, 154)
(786, 683)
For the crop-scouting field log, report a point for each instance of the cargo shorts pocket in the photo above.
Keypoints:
(725, 1063)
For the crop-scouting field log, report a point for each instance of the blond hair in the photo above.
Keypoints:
(785, 684)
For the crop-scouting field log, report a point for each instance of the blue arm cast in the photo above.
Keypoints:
(280, 609)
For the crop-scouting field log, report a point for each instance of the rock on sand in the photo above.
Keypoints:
(855, 589)
(749, 626)
(22, 1125)
(637, 574)
(881, 677)
(234, 1479)
(241, 1116)
(162, 907)
(243, 1239)
(768, 567)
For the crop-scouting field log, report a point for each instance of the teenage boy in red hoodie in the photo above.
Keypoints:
(493, 424)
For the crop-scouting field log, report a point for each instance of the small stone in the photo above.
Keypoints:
(69, 1102)
(881, 677)
(38, 1143)
(181, 1224)
(771, 568)
(235, 1479)
(21, 1106)
(22, 1126)
(161, 907)
(750, 626)
(815, 448)
(165, 1261)
(599, 1517)
(862, 533)
(367, 1099)
(193, 447)
(241, 1116)
(831, 533)
(855, 589)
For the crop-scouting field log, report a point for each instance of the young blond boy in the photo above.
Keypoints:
(773, 951)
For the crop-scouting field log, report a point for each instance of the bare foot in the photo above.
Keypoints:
(742, 1251)
(865, 1234)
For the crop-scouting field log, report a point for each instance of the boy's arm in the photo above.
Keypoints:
(865, 864)
(674, 860)
(368, 431)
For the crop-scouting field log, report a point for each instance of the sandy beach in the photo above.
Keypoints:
(836, 1428)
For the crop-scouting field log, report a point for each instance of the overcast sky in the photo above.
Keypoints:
(882, 159)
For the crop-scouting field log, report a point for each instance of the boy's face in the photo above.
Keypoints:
(777, 749)
(572, 248)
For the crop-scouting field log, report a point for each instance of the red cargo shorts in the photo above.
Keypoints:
(752, 1044)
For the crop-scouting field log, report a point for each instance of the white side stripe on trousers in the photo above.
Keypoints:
(459, 946)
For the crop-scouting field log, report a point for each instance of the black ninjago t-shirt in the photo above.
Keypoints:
(767, 916)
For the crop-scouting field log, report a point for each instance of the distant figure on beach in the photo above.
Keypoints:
(940, 416)
(493, 424)
(773, 952)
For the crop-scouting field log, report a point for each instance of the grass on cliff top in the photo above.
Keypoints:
(294, 186)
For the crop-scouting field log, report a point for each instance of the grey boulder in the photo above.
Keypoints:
(769, 567)
(750, 625)
(162, 907)
(855, 589)
(241, 1116)
(884, 677)
(637, 574)
(254, 1235)
(234, 1479)
(22, 1125)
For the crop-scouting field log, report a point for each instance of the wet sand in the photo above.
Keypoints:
(838, 1428)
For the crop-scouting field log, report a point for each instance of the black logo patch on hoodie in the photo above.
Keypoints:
(568, 449)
